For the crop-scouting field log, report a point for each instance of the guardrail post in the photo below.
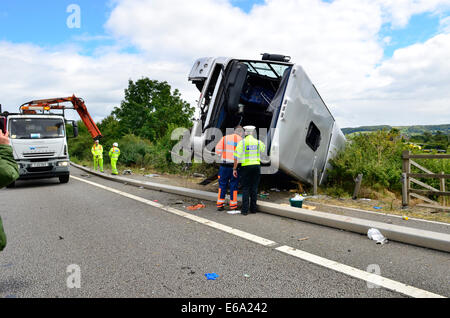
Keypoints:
(315, 177)
(358, 181)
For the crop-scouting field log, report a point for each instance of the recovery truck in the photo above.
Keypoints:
(272, 94)
(38, 136)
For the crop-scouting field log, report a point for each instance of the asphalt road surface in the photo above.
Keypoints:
(116, 240)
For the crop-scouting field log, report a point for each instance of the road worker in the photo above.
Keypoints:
(114, 154)
(9, 172)
(225, 149)
(248, 154)
(97, 152)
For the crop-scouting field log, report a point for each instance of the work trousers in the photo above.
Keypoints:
(114, 166)
(98, 162)
(226, 179)
(250, 176)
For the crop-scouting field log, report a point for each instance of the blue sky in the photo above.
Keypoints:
(43, 23)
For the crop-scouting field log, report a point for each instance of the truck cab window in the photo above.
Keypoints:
(313, 137)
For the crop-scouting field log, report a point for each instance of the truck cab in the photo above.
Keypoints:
(39, 146)
(278, 98)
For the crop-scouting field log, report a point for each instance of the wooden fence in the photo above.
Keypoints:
(408, 178)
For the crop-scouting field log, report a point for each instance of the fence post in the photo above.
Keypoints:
(358, 181)
(406, 183)
(444, 199)
(405, 195)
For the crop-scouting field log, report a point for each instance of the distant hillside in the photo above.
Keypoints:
(406, 130)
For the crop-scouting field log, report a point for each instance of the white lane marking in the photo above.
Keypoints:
(342, 268)
(218, 226)
(357, 273)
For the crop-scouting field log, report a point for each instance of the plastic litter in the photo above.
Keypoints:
(405, 218)
(234, 212)
(246, 275)
(196, 207)
(127, 172)
(275, 190)
(375, 235)
(211, 276)
(152, 175)
(198, 175)
(297, 197)
(377, 207)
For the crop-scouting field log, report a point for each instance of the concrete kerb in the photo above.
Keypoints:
(423, 238)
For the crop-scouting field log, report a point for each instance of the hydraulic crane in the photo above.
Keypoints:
(54, 104)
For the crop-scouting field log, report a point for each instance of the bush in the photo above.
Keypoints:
(377, 155)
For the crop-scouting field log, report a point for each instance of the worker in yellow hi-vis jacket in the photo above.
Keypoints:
(97, 152)
(114, 154)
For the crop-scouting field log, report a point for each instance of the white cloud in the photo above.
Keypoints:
(31, 72)
(337, 43)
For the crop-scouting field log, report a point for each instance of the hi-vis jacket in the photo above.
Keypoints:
(248, 151)
(226, 146)
(97, 151)
(114, 153)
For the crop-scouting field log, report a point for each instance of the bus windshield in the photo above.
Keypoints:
(36, 128)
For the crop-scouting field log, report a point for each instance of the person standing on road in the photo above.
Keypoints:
(114, 154)
(248, 154)
(9, 172)
(97, 152)
(225, 149)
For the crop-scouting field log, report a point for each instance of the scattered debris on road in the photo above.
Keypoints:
(196, 207)
(211, 276)
(375, 234)
(152, 175)
(303, 239)
(126, 172)
(234, 212)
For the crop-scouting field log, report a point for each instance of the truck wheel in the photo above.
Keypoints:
(64, 179)
(11, 185)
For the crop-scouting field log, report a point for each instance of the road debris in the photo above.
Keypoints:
(375, 235)
(263, 195)
(296, 201)
(309, 207)
(234, 212)
(275, 190)
(198, 175)
(405, 218)
(152, 175)
(126, 172)
(196, 207)
(377, 207)
(246, 275)
(303, 239)
(211, 276)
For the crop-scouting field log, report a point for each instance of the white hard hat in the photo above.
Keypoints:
(115, 144)
(249, 129)
(97, 140)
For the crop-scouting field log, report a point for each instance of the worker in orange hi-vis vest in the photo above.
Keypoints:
(225, 149)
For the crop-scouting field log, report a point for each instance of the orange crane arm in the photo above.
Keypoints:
(78, 105)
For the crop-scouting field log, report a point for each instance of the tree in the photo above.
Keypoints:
(150, 107)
